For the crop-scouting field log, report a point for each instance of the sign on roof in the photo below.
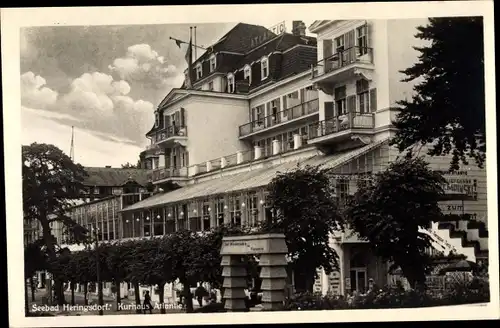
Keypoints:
(278, 28)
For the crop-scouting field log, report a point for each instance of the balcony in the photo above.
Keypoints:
(341, 128)
(171, 135)
(152, 151)
(352, 63)
(293, 114)
(168, 173)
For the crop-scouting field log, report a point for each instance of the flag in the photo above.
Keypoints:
(189, 60)
(178, 43)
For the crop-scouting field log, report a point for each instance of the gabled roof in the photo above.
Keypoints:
(114, 177)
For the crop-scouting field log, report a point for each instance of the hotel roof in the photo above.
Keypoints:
(114, 177)
(248, 180)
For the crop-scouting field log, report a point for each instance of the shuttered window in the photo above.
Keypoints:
(340, 100)
(362, 95)
(183, 117)
(362, 39)
(329, 112)
(351, 104)
(373, 100)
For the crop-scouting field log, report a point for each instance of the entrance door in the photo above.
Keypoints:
(358, 280)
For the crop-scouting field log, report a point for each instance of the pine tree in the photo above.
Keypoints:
(447, 111)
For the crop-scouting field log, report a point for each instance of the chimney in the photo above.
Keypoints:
(298, 28)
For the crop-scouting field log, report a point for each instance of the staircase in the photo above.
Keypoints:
(461, 236)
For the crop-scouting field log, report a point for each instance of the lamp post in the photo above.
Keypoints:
(98, 271)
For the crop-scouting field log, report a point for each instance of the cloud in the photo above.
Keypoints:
(144, 65)
(34, 93)
(90, 148)
(95, 102)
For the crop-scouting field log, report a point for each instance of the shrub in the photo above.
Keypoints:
(476, 290)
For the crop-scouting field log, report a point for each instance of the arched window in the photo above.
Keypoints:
(247, 73)
(264, 67)
(230, 83)
(213, 63)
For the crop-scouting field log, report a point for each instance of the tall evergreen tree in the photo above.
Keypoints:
(447, 110)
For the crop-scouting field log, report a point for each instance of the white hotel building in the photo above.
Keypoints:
(263, 103)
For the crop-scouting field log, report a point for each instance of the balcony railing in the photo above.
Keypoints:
(341, 59)
(170, 131)
(303, 109)
(342, 123)
(165, 173)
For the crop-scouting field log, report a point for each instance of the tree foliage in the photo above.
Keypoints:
(50, 181)
(392, 208)
(306, 212)
(128, 165)
(447, 110)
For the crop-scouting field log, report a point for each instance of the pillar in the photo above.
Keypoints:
(273, 274)
(223, 162)
(297, 141)
(161, 160)
(258, 152)
(194, 170)
(276, 147)
(235, 282)
(239, 157)
(209, 166)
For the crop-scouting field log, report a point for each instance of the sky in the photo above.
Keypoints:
(105, 81)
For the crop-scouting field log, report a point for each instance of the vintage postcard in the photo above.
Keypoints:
(270, 163)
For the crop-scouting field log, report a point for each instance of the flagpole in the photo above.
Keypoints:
(195, 44)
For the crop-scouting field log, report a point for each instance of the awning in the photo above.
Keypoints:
(216, 186)
(248, 180)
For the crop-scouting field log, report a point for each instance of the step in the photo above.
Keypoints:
(480, 226)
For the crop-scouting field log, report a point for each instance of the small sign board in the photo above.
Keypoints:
(256, 244)
(279, 28)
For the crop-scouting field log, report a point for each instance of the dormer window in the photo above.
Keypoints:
(264, 67)
(213, 63)
(199, 71)
(247, 73)
(230, 83)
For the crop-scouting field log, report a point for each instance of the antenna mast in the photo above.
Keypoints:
(72, 149)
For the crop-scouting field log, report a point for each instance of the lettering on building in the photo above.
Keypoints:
(459, 182)
(278, 28)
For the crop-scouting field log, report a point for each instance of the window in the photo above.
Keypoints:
(157, 120)
(342, 191)
(362, 42)
(362, 94)
(230, 83)
(339, 44)
(199, 71)
(235, 210)
(340, 100)
(264, 67)
(206, 216)
(96, 191)
(247, 73)
(182, 222)
(170, 219)
(252, 211)
(219, 211)
(211, 86)
(213, 62)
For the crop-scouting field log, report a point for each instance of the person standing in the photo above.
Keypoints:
(147, 303)
(200, 293)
